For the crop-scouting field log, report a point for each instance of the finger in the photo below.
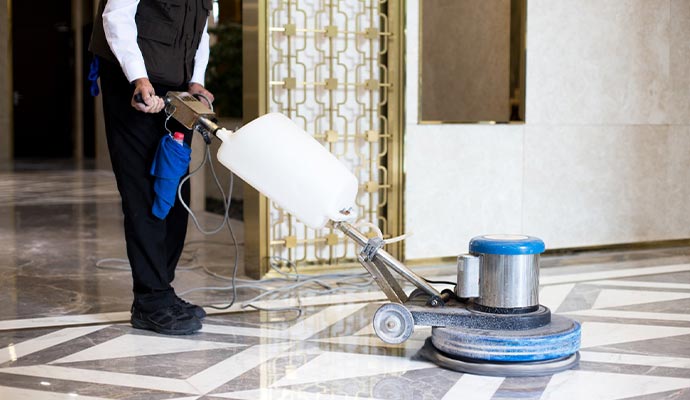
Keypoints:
(153, 105)
(137, 97)
(207, 98)
(139, 106)
(142, 99)
(207, 94)
(160, 104)
(148, 96)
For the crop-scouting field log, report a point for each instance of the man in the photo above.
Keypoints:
(147, 48)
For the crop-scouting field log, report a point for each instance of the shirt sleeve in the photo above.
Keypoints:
(201, 57)
(121, 33)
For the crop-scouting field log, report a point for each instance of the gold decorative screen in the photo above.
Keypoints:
(328, 70)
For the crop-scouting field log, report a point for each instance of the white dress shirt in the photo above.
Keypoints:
(121, 33)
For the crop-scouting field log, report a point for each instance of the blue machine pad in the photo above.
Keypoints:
(560, 338)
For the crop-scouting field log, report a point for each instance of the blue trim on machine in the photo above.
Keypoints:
(508, 245)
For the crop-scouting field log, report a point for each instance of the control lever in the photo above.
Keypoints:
(190, 112)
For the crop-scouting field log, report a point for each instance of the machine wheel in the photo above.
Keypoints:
(417, 293)
(393, 323)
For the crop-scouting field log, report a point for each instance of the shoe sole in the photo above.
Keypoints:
(139, 324)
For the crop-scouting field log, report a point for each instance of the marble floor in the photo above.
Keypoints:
(64, 331)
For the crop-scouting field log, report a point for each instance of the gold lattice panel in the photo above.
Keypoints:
(327, 72)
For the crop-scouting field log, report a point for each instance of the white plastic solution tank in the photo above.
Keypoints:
(290, 167)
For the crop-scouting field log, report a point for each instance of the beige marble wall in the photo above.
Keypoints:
(597, 185)
(605, 151)
(598, 62)
(6, 108)
(461, 181)
(680, 62)
(607, 99)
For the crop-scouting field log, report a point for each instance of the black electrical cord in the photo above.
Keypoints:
(440, 282)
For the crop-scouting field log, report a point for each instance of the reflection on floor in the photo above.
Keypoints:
(63, 330)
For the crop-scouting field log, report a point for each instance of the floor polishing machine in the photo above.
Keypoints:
(491, 324)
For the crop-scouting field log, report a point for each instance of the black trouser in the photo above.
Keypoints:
(154, 246)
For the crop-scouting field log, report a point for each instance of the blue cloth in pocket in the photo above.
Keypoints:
(169, 165)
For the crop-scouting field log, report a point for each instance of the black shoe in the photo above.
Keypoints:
(171, 320)
(191, 308)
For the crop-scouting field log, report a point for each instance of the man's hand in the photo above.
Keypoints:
(152, 103)
(195, 88)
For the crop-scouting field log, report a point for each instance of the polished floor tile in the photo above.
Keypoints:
(64, 331)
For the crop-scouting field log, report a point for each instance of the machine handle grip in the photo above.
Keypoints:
(139, 99)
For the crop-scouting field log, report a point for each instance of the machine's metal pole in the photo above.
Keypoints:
(385, 257)
(382, 276)
(208, 125)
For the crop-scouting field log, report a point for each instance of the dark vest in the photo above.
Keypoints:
(169, 32)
